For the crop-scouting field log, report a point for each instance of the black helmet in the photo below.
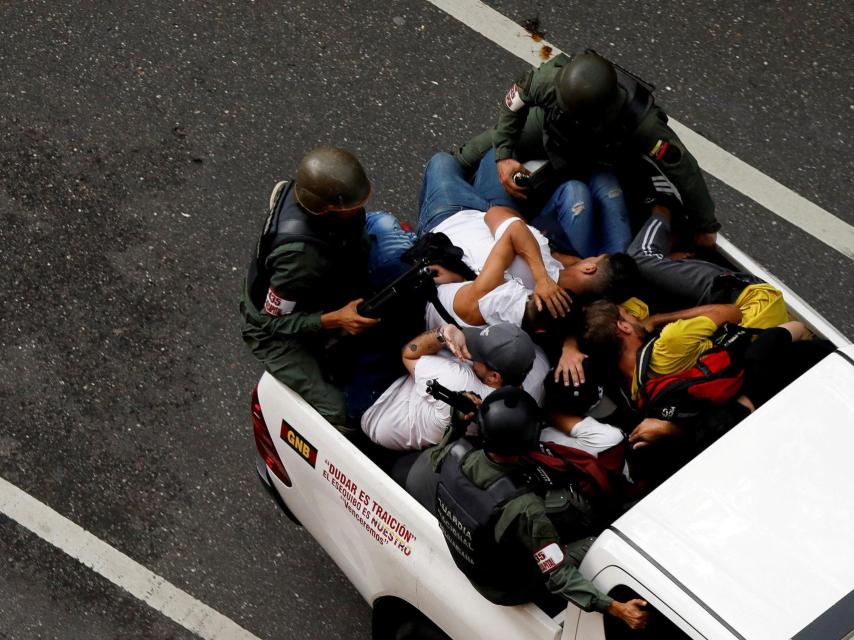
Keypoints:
(587, 88)
(509, 421)
(329, 178)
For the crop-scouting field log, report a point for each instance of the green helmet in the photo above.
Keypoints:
(330, 179)
(587, 88)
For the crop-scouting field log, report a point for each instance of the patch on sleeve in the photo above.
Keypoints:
(549, 557)
(276, 306)
(513, 100)
(659, 149)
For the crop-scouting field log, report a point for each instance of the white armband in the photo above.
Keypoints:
(277, 306)
(513, 100)
(549, 557)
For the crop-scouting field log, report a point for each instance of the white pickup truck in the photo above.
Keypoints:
(753, 539)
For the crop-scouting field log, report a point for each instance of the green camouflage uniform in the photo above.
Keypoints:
(525, 518)
(523, 133)
(293, 346)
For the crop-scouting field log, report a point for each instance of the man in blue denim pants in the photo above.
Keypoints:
(568, 220)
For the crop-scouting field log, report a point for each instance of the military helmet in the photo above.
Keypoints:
(587, 88)
(509, 421)
(329, 178)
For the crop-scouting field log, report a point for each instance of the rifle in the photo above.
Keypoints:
(416, 277)
(455, 399)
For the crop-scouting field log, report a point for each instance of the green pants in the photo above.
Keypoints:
(296, 365)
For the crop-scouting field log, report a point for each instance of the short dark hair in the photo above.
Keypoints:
(541, 320)
(618, 277)
(600, 338)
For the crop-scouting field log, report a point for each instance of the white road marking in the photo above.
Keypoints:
(193, 615)
(762, 189)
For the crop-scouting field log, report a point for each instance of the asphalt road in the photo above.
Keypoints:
(138, 144)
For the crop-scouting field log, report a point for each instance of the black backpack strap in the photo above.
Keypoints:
(440, 308)
(642, 365)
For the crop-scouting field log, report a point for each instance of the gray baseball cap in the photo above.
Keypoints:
(503, 347)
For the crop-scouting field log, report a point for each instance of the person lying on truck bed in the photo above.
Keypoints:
(450, 205)
(678, 365)
(477, 361)
(506, 289)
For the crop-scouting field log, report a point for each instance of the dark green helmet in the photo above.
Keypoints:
(330, 179)
(587, 88)
(509, 421)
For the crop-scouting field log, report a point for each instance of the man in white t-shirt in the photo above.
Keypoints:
(476, 361)
(512, 260)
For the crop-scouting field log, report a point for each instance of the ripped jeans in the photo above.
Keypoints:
(587, 219)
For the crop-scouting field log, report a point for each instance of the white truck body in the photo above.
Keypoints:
(752, 539)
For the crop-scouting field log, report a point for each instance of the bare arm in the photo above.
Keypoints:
(524, 242)
(432, 342)
(717, 313)
(466, 301)
(525, 245)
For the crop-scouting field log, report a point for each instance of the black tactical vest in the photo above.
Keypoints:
(340, 244)
(467, 517)
(572, 148)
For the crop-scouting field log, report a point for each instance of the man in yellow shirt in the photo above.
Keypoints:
(618, 332)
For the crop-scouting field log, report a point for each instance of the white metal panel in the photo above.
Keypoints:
(760, 525)
(423, 573)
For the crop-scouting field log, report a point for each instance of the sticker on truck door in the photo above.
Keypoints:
(380, 523)
(299, 444)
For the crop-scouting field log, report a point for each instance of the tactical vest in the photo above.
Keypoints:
(571, 147)
(289, 222)
(467, 517)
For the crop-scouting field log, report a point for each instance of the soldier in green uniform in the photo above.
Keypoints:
(308, 274)
(584, 114)
(495, 522)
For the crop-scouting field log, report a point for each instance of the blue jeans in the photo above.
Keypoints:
(388, 242)
(445, 191)
(378, 361)
(569, 218)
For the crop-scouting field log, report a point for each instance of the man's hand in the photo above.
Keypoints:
(462, 419)
(570, 365)
(630, 612)
(456, 341)
(555, 297)
(650, 324)
(348, 319)
(651, 430)
(507, 168)
(706, 240)
(442, 275)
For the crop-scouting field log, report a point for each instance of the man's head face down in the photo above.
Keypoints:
(502, 354)
(609, 329)
(611, 276)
